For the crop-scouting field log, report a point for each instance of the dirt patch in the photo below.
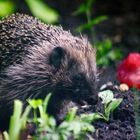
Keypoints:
(121, 125)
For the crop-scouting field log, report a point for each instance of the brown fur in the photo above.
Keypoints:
(36, 59)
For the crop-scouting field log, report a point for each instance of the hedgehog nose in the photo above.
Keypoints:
(91, 95)
(93, 99)
(89, 98)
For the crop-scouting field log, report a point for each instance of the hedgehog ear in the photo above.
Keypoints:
(56, 57)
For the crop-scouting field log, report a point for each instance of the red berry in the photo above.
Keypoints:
(129, 70)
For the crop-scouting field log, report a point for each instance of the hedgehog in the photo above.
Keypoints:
(37, 59)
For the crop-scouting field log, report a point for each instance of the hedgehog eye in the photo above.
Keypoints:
(56, 57)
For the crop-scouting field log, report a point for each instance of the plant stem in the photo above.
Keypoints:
(137, 113)
(35, 116)
(88, 15)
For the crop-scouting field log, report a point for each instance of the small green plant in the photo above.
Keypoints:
(86, 8)
(110, 103)
(17, 121)
(105, 54)
(74, 126)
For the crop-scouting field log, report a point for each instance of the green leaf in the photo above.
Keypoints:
(64, 125)
(24, 116)
(18, 120)
(46, 101)
(6, 135)
(103, 61)
(106, 53)
(82, 9)
(54, 136)
(41, 111)
(15, 124)
(71, 114)
(63, 137)
(89, 4)
(35, 103)
(90, 25)
(42, 11)
(43, 108)
(112, 106)
(86, 127)
(90, 117)
(106, 96)
(64, 129)
(75, 127)
(108, 44)
(52, 122)
(6, 8)
(115, 54)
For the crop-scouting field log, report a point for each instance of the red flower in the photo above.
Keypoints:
(129, 70)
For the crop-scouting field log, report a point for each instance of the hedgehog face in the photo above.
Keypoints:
(75, 77)
(67, 74)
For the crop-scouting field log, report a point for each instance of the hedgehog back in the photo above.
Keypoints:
(19, 33)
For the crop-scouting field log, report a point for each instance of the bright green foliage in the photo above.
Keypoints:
(42, 11)
(35, 103)
(17, 121)
(110, 103)
(73, 125)
(105, 53)
(7, 7)
(106, 96)
(77, 127)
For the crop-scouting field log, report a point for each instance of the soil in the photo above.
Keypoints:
(121, 125)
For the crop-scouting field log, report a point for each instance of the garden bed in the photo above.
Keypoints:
(121, 125)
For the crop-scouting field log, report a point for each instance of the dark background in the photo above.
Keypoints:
(122, 26)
